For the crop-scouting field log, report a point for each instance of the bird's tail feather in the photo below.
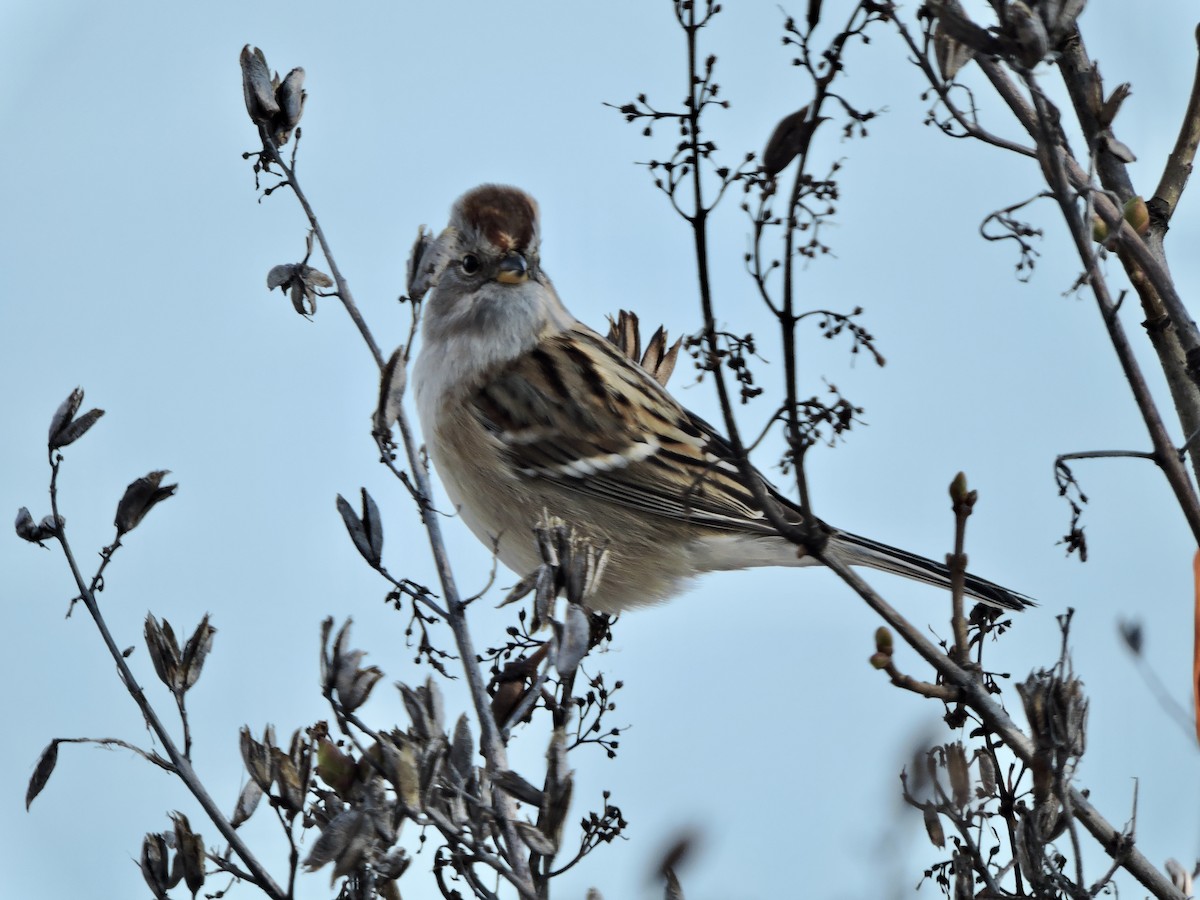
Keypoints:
(865, 552)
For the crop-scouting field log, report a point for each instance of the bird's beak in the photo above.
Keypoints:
(513, 269)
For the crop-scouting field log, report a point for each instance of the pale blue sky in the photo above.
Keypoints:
(134, 253)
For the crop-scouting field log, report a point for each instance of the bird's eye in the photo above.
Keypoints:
(470, 264)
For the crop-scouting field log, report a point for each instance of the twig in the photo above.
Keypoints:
(997, 720)
(181, 765)
(1179, 164)
(343, 289)
(491, 743)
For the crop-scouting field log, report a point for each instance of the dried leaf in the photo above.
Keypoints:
(41, 772)
(391, 392)
(140, 497)
(247, 802)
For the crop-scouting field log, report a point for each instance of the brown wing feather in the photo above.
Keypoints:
(630, 443)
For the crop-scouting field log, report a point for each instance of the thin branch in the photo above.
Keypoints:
(996, 719)
(182, 766)
(343, 289)
(1165, 455)
(1106, 454)
(1179, 164)
(491, 743)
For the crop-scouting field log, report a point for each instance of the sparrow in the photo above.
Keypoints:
(527, 412)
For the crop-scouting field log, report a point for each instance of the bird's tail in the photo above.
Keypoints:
(862, 551)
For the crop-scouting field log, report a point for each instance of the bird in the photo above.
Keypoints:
(528, 412)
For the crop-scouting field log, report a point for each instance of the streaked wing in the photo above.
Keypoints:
(575, 410)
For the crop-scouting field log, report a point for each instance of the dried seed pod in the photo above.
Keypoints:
(247, 802)
(392, 382)
(154, 865)
(257, 756)
(789, 139)
(41, 773)
(290, 97)
(257, 86)
(42, 531)
(64, 427)
(140, 497)
(933, 827)
(1027, 32)
(164, 651)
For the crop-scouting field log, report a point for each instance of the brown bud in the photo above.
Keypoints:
(883, 640)
(958, 488)
(1137, 214)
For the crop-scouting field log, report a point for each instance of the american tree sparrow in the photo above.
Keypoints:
(527, 411)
